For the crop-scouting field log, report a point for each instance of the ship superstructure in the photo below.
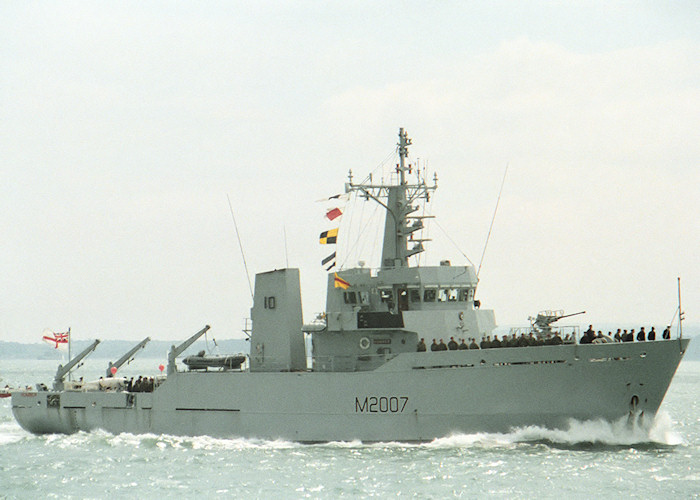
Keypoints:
(367, 379)
(384, 312)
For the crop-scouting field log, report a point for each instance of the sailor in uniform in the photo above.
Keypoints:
(641, 335)
(667, 333)
(652, 334)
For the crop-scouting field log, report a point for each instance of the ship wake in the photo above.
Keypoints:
(583, 435)
(580, 435)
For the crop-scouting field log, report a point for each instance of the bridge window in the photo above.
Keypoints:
(466, 294)
(429, 295)
(414, 294)
(447, 295)
(403, 300)
(350, 298)
(386, 295)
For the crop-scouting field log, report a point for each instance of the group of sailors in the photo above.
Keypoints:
(142, 384)
(488, 343)
(590, 337)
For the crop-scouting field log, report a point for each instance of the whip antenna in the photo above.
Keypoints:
(680, 311)
(492, 220)
(245, 265)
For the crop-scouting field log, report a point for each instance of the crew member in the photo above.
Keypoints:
(641, 335)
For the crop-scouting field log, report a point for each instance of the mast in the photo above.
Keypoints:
(399, 224)
(680, 311)
(403, 144)
(70, 339)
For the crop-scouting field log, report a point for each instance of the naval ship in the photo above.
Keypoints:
(365, 378)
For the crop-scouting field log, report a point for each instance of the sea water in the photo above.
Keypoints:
(588, 460)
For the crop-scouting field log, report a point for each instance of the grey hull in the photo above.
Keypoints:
(412, 397)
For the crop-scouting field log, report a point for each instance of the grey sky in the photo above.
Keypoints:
(125, 125)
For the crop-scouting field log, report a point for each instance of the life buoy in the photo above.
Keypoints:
(364, 343)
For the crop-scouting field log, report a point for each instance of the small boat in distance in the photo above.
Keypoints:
(371, 376)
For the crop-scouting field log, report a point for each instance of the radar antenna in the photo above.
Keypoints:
(399, 223)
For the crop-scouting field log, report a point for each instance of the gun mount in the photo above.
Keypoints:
(127, 357)
(542, 323)
(176, 351)
(64, 370)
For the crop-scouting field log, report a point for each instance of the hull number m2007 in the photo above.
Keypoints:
(383, 404)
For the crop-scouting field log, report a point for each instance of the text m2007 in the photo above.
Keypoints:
(380, 404)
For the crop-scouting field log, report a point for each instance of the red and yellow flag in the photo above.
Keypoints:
(340, 282)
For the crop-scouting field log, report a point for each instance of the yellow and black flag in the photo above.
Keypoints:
(329, 237)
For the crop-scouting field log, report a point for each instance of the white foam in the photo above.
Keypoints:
(11, 432)
(343, 444)
(618, 433)
(164, 441)
(663, 432)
